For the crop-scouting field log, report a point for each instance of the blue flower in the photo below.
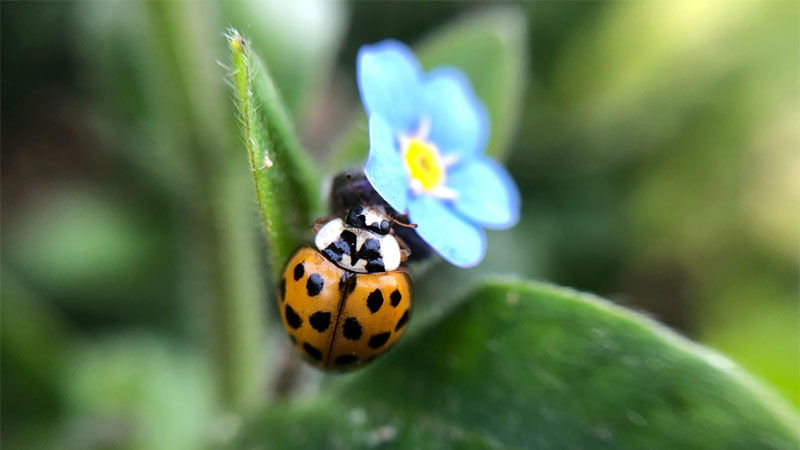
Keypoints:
(428, 133)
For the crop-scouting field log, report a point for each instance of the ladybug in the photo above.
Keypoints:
(345, 302)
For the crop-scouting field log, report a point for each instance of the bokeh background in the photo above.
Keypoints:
(656, 152)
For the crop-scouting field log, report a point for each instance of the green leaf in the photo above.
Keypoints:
(529, 365)
(286, 185)
(490, 47)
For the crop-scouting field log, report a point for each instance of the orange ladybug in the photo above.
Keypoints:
(346, 303)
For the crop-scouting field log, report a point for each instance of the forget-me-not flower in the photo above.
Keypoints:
(428, 133)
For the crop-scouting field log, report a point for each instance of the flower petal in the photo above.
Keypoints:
(486, 193)
(389, 82)
(459, 122)
(458, 241)
(384, 168)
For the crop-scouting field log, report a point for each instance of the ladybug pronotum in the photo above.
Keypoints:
(346, 303)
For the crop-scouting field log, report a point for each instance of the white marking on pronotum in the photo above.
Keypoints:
(389, 248)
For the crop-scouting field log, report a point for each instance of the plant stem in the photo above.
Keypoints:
(228, 275)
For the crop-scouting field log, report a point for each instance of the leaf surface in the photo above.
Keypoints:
(529, 365)
(284, 176)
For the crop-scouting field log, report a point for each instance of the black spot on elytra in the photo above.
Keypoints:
(395, 297)
(282, 288)
(320, 320)
(350, 283)
(345, 360)
(312, 351)
(377, 340)
(402, 321)
(375, 301)
(352, 329)
(292, 318)
(314, 284)
(347, 282)
(299, 270)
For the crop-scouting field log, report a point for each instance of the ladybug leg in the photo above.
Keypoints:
(405, 251)
(319, 223)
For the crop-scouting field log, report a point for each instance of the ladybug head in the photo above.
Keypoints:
(372, 219)
(350, 195)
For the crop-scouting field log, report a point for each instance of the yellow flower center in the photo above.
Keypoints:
(424, 163)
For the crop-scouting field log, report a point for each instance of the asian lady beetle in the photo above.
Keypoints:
(346, 302)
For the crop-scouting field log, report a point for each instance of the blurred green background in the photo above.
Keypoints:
(656, 151)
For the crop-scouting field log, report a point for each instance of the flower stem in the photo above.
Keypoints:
(225, 276)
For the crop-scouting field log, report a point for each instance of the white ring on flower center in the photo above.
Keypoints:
(428, 153)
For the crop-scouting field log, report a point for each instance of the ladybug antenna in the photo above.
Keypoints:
(406, 225)
(352, 188)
